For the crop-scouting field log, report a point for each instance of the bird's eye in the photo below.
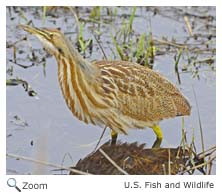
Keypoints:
(60, 50)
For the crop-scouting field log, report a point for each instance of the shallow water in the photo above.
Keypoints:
(52, 131)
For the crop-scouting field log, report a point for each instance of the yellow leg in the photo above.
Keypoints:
(157, 130)
(114, 137)
(159, 136)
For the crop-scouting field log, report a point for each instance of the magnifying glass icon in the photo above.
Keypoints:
(11, 182)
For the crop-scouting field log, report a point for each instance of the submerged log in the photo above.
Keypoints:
(134, 159)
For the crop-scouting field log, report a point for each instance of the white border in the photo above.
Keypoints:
(218, 88)
(3, 91)
(113, 2)
(107, 184)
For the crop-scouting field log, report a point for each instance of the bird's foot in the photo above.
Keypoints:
(114, 136)
(157, 143)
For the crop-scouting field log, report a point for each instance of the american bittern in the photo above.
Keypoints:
(116, 94)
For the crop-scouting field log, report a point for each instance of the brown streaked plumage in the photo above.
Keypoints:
(117, 94)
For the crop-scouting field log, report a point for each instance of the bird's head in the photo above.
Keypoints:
(52, 39)
(56, 44)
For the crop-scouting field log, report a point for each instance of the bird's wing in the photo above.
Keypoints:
(140, 92)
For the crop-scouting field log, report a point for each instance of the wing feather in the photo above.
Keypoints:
(140, 92)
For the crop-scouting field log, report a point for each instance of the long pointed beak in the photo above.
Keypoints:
(35, 31)
(44, 35)
(29, 29)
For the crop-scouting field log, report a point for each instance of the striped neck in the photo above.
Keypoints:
(77, 85)
(71, 76)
